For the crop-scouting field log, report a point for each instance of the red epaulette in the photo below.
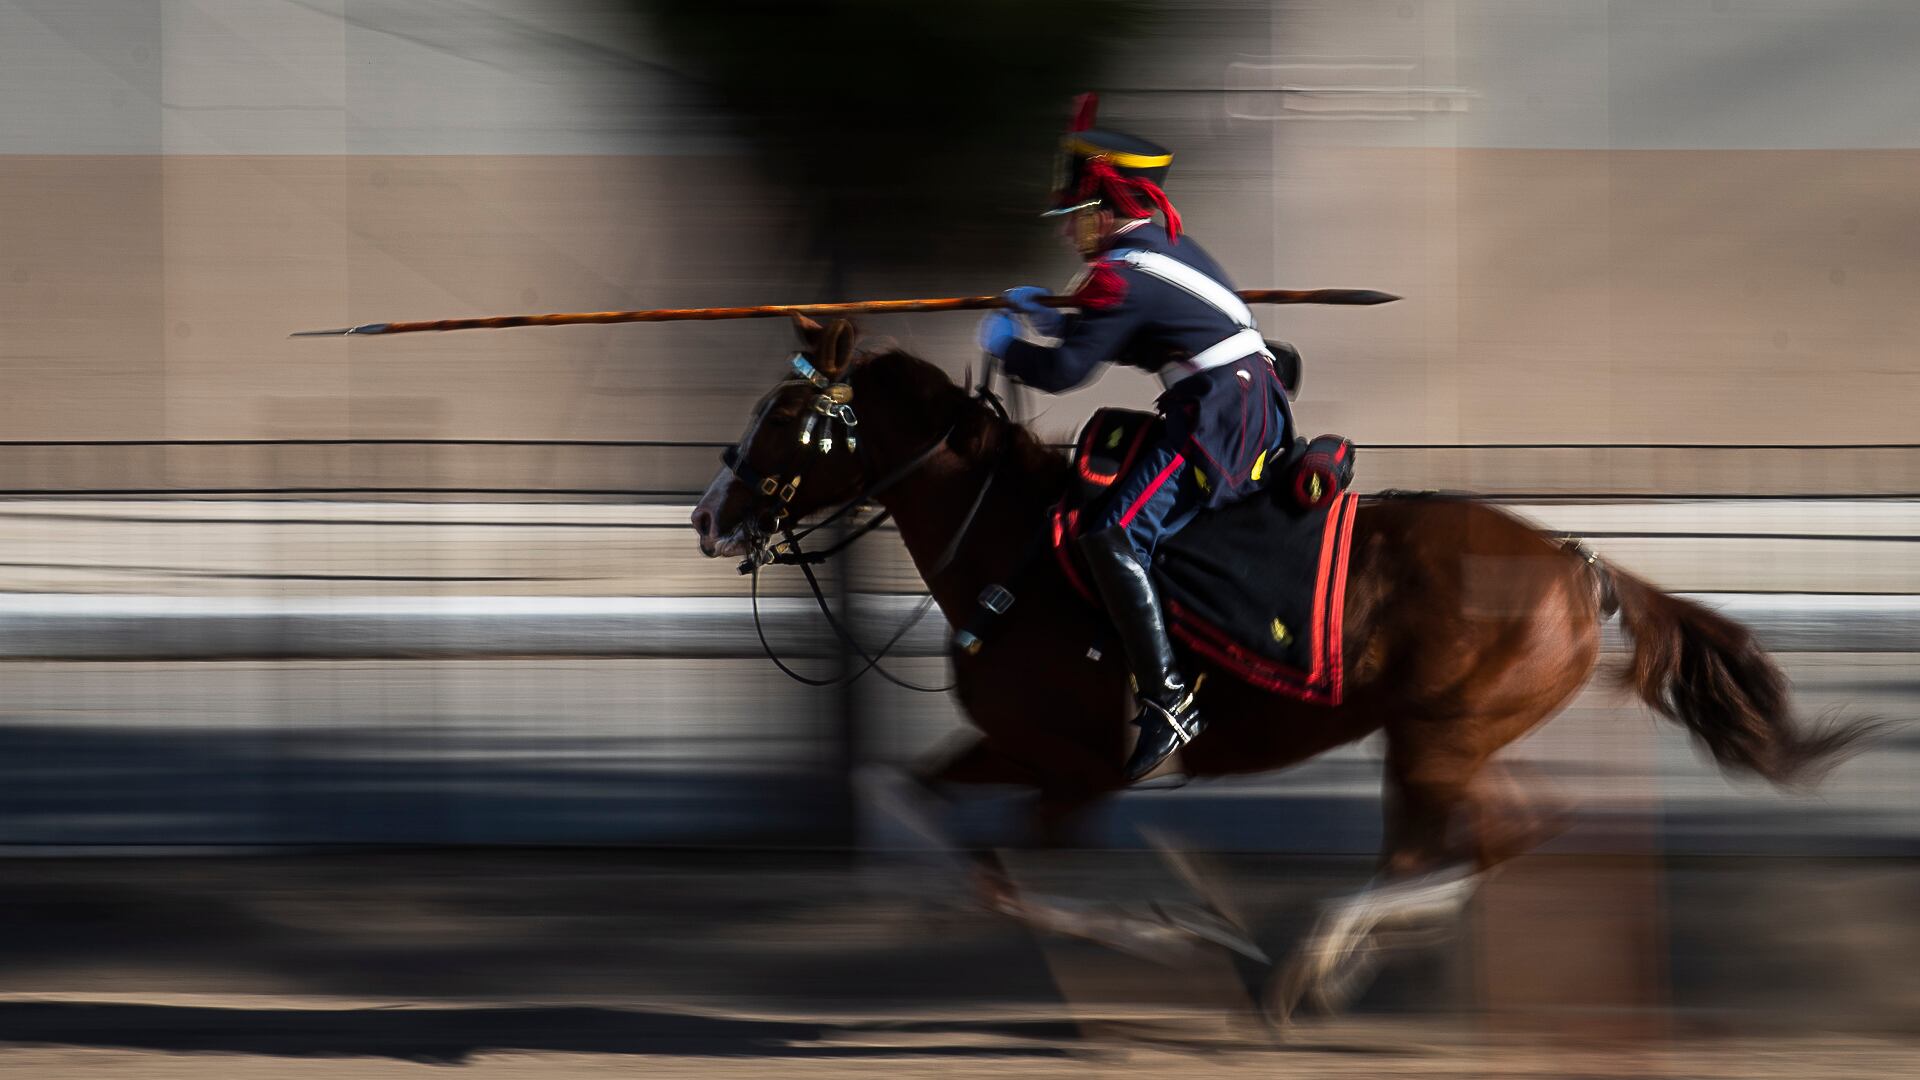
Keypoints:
(1102, 290)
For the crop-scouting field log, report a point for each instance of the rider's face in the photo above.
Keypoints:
(1087, 230)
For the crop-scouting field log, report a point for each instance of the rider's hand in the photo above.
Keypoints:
(1025, 300)
(997, 331)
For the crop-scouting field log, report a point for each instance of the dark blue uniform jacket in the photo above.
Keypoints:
(1221, 419)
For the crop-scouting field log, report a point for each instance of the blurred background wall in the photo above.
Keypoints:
(1603, 215)
(1626, 222)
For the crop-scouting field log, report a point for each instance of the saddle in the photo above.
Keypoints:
(1255, 589)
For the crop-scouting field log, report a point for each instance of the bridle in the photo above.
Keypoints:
(774, 492)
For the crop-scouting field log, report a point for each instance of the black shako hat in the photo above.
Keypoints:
(1122, 172)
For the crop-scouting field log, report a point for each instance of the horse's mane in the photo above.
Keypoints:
(980, 433)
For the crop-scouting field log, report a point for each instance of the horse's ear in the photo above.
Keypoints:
(806, 330)
(834, 350)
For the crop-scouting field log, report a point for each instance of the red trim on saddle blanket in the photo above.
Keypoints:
(1323, 683)
(1065, 524)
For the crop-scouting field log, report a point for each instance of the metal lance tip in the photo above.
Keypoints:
(345, 331)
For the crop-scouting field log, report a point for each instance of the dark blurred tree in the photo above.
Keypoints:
(915, 130)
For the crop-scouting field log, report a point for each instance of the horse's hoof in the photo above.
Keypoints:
(1275, 1026)
(1289, 987)
(1340, 982)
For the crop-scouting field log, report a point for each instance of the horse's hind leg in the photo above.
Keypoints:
(1510, 816)
(1448, 817)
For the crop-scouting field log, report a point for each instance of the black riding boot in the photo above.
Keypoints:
(1167, 718)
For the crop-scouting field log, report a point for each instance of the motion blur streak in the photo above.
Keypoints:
(261, 598)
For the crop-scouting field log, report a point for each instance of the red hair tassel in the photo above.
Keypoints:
(1125, 192)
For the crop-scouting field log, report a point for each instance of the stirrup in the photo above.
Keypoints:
(1180, 728)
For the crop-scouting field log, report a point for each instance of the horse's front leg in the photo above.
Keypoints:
(907, 822)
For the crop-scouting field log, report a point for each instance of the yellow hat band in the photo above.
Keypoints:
(1120, 158)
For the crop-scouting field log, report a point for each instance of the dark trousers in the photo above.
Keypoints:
(1158, 498)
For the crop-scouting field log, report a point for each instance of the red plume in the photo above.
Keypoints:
(1084, 107)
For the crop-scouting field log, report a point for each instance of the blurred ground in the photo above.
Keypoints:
(584, 962)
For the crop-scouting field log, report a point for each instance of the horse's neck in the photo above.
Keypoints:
(936, 503)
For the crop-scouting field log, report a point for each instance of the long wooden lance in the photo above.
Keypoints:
(770, 311)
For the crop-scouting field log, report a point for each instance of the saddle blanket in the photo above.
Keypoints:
(1256, 589)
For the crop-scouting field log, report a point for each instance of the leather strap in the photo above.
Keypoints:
(1246, 342)
(1174, 272)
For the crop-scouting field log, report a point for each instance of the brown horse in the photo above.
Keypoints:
(1465, 628)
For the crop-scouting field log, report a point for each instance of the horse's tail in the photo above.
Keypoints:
(1701, 669)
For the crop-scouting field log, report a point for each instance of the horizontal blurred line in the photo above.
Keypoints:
(274, 575)
(678, 444)
(1490, 494)
(681, 526)
(77, 626)
(1496, 495)
(1865, 538)
(651, 493)
(1639, 446)
(158, 519)
(670, 444)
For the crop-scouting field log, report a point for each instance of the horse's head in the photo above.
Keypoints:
(799, 453)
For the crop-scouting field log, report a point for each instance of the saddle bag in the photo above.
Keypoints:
(1108, 446)
(1323, 470)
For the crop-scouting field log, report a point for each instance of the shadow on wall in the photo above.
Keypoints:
(914, 132)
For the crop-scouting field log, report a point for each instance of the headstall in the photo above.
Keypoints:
(831, 408)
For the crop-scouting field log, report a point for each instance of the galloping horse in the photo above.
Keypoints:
(1465, 628)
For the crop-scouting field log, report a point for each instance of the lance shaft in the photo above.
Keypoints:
(772, 311)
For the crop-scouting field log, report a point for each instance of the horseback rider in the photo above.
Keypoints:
(1149, 298)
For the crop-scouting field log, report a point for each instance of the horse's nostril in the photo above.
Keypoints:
(703, 522)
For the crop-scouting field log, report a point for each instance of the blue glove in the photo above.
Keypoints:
(1024, 300)
(997, 331)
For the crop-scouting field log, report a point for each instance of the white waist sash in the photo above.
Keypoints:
(1245, 343)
